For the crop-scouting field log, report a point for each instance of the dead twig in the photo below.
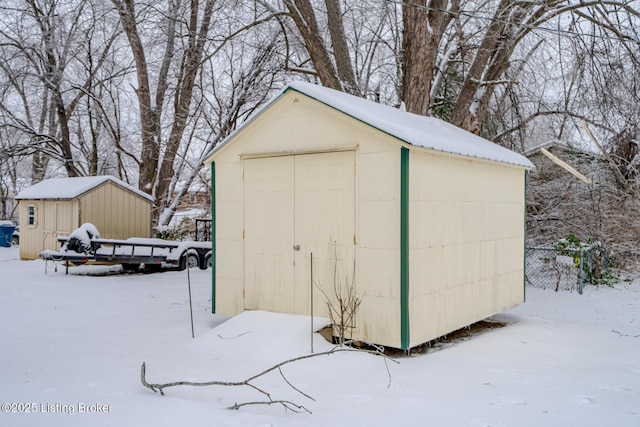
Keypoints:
(294, 387)
(343, 307)
(285, 403)
(234, 337)
(624, 335)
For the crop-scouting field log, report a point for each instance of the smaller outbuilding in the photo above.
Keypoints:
(55, 207)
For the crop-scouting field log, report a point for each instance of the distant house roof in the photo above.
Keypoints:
(562, 145)
(419, 131)
(70, 188)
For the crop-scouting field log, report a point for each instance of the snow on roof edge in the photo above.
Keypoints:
(70, 188)
(418, 132)
(422, 126)
(257, 113)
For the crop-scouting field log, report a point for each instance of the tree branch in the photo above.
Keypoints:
(248, 382)
(287, 405)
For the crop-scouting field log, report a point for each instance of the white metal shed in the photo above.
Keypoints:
(424, 220)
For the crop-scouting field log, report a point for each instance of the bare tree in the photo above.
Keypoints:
(245, 86)
(49, 50)
(454, 55)
(172, 92)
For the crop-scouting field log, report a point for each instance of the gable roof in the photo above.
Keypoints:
(419, 131)
(70, 188)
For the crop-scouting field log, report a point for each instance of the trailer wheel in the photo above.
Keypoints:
(206, 261)
(190, 260)
(126, 266)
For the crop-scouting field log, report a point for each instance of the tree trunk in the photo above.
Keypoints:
(150, 150)
(340, 48)
(462, 116)
(305, 19)
(423, 31)
(189, 71)
(416, 57)
(65, 135)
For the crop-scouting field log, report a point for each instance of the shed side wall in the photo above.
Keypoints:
(467, 239)
(116, 212)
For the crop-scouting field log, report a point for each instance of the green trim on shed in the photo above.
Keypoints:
(213, 237)
(524, 244)
(404, 248)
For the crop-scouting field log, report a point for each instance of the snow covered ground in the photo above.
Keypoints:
(74, 344)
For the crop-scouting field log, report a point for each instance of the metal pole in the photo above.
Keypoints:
(311, 302)
(190, 303)
(580, 271)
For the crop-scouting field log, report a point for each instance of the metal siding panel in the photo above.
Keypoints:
(87, 212)
(378, 273)
(117, 214)
(467, 244)
(133, 220)
(380, 322)
(229, 243)
(128, 206)
(378, 232)
(103, 210)
(140, 217)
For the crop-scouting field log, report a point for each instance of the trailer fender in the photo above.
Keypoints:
(205, 261)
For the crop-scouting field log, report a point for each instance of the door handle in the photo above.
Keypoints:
(296, 248)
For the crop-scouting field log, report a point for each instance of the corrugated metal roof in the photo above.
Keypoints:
(418, 131)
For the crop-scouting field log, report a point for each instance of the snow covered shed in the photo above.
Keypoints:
(57, 206)
(425, 222)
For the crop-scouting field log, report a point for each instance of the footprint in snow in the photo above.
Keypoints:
(586, 400)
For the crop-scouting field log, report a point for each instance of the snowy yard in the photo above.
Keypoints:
(74, 344)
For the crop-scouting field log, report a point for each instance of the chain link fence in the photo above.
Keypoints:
(549, 268)
(628, 259)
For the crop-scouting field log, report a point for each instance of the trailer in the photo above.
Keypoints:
(134, 252)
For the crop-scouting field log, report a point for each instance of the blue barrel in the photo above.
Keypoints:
(6, 234)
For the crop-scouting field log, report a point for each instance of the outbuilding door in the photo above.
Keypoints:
(295, 206)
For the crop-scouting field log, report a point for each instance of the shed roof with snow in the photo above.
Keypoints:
(423, 220)
(70, 188)
(57, 206)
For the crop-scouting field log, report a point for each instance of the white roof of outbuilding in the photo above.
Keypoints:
(70, 188)
(419, 131)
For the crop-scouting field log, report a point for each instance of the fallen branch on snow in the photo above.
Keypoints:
(248, 382)
(625, 335)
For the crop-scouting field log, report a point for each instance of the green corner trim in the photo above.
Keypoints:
(524, 258)
(213, 237)
(404, 248)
